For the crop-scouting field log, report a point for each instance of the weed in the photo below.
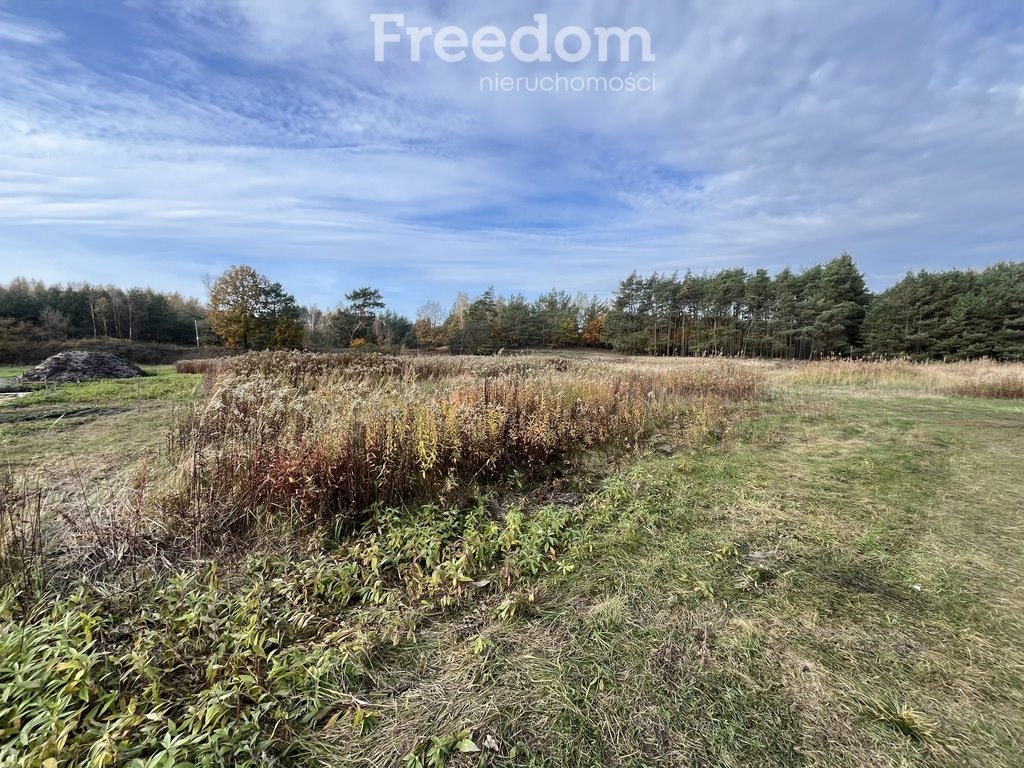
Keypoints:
(905, 720)
(292, 441)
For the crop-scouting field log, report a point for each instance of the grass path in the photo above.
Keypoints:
(87, 442)
(839, 584)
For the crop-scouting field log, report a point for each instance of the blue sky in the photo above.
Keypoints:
(148, 142)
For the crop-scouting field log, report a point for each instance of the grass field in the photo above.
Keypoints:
(744, 565)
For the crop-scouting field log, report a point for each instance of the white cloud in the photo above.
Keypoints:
(781, 133)
(15, 31)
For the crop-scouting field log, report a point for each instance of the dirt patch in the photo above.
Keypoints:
(20, 416)
(867, 584)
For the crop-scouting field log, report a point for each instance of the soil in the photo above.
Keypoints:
(78, 366)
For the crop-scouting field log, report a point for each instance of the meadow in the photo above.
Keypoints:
(357, 560)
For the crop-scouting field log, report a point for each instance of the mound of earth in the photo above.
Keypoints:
(82, 366)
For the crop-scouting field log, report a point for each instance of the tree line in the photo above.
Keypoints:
(819, 312)
(86, 311)
(951, 315)
(822, 311)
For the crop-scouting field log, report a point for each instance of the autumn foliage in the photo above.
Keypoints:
(321, 438)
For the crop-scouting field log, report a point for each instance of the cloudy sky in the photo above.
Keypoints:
(147, 142)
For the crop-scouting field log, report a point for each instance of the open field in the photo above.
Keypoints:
(82, 442)
(593, 562)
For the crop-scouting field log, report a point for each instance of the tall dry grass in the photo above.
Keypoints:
(308, 438)
(980, 378)
(22, 537)
(994, 381)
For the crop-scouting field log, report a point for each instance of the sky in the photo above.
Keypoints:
(151, 142)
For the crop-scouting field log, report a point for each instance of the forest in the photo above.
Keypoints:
(823, 311)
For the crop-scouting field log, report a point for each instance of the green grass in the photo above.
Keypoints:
(162, 383)
(84, 441)
(837, 582)
(10, 373)
(830, 588)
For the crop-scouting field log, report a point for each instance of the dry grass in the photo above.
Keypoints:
(997, 385)
(22, 538)
(979, 379)
(313, 439)
(833, 584)
(212, 365)
(748, 606)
